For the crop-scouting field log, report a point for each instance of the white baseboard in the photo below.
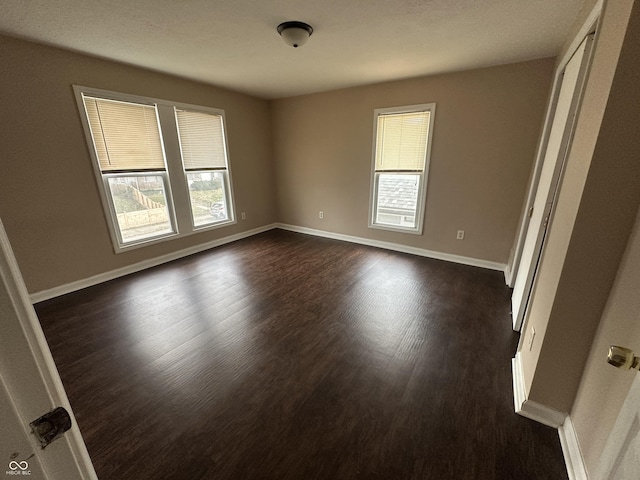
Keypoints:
(137, 267)
(552, 418)
(528, 408)
(475, 262)
(571, 451)
(508, 276)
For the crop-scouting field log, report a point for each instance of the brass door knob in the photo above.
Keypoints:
(621, 357)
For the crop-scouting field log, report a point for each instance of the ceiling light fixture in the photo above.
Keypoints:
(295, 34)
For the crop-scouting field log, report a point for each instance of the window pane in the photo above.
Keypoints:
(141, 206)
(208, 197)
(397, 199)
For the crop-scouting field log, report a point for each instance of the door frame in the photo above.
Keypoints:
(552, 169)
(30, 377)
(589, 25)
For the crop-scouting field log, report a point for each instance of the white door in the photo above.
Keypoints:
(621, 456)
(30, 387)
(620, 325)
(557, 147)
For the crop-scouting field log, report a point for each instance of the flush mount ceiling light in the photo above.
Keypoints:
(295, 34)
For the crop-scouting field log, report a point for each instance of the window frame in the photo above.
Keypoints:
(174, 176)
(423, 175)
(227, 185)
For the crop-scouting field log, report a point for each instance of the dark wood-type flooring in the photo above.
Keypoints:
(285, 356)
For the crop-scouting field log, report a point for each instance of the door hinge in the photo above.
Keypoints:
(51, 426)
(530, 212)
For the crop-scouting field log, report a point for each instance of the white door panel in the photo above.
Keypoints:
(30, 387)
(557, 146)
(15, 445)
(621, 457)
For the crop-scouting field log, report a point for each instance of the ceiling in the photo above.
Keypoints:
(234, 43)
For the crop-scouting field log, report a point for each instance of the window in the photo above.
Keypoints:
(400, 164)
(205, 163)
(162, 168)
(128, 148)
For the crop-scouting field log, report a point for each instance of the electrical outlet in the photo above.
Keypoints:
(321, 214)
(460, 235)
(531, 337)
(243, 215)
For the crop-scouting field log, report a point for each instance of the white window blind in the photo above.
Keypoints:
(401, 143)
(125, 135)
(201, 140)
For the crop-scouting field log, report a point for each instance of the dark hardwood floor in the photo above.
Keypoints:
(284, 356)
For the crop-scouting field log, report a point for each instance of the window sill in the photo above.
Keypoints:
(169, 236)
(391, 228)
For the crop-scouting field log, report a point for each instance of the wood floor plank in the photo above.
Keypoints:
(285, 356)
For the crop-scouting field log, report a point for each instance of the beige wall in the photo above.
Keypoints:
(290, 158)
(49, 201)
(594, 215)
(603, 389)
(486, 127)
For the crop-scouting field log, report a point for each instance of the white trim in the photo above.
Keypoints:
(508, 277)
(550, 177)
(228, 193)
(475, 262)
(519, 386)
(528, 408)
(586, 28)
(424, 175)
(153, 262)
(135, 98)
(34, 337)
(571, 451)
(178, 198)
(137, 267)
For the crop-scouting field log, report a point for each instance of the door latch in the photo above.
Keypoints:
(51, 426)
(621, 357)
